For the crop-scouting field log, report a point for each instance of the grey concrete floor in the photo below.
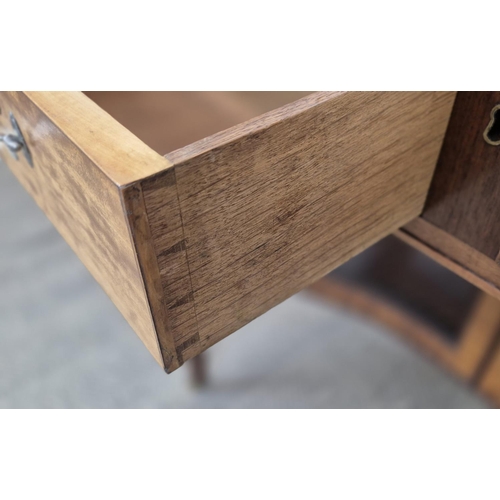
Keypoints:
(64, 345)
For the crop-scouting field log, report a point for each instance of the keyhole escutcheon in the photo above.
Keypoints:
(492, 133)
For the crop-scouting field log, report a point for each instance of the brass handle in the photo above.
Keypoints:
(15, 142)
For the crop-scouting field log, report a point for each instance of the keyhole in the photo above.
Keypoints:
(492, 133)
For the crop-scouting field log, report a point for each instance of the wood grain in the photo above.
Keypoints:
(113, 149)
(464, 198)
(86, 170)
(133, 199)
(271, 205)
(79, 154)
(163, 212)
(166, 121)
(193, 246)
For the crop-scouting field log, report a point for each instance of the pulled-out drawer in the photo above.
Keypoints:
(193, 245)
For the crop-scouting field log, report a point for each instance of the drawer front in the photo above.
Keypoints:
(66, 137)
(193, 246)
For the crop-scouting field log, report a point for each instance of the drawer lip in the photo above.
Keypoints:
(270, 195)
(249, 127)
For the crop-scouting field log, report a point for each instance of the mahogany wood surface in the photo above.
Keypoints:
(464, 198)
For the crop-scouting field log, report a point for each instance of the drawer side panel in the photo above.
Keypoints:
(272, 205)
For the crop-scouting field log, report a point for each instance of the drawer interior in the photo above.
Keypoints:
(167, 121)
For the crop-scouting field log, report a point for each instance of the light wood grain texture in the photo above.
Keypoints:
(455, 255)
(166, 121)
(79, 153)
(112, 148)
(86, 171)
(140, 229)
(194, 246)
(270, 206)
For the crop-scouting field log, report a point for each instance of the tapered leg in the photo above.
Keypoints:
(198, 368)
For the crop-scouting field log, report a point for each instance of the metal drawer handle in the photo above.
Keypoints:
(12, 142)
(15, 142)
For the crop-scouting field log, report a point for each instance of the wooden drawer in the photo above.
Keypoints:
(195, 244)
